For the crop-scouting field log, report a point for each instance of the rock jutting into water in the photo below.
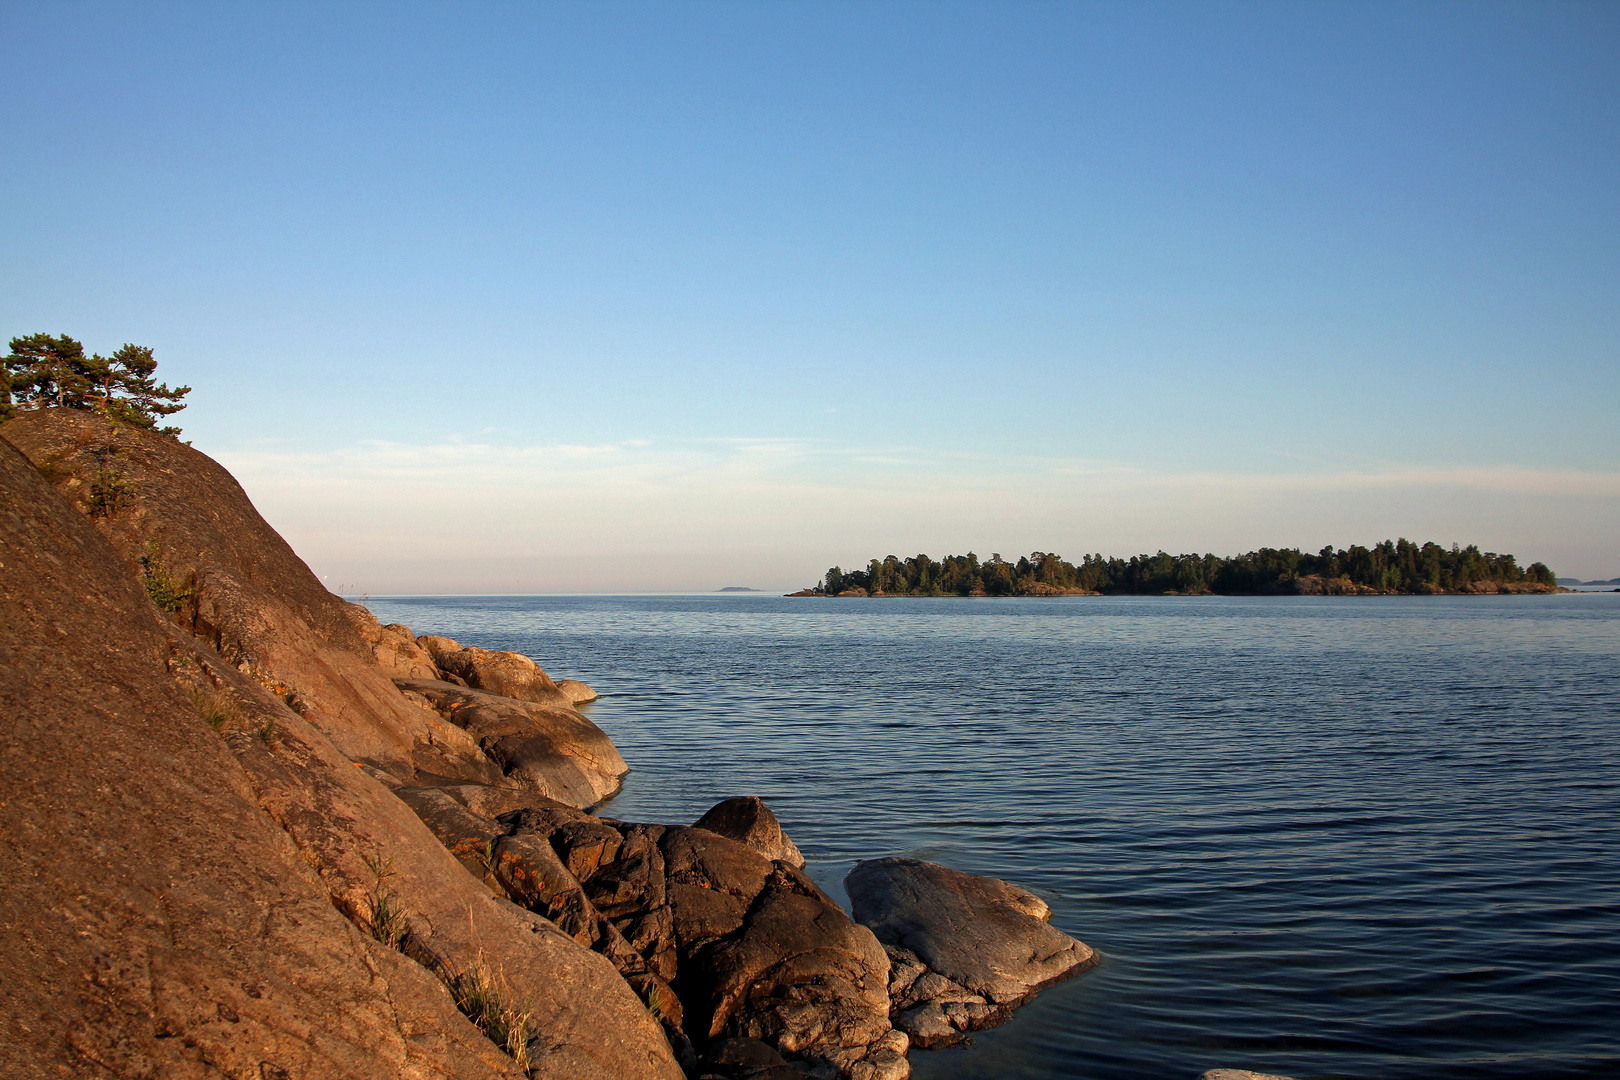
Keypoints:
(966, 950)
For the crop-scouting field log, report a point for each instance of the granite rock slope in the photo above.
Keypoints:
(154, 920)
(174, 515)
(291, 692)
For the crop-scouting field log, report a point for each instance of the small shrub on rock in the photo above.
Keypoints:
(110, 492)
(166, 591)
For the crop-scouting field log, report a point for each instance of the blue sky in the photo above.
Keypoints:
(488, 297)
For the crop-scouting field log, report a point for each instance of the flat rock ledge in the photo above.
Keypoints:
(964, 950)
(1240, 1074)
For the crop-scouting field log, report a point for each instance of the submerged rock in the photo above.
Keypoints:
(964, 950)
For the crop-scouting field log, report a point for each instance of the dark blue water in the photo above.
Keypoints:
(1324, 837)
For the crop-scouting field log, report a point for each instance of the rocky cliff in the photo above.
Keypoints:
(246, 831)
(201, 845)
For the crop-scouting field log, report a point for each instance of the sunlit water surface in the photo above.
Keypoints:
(1334, 837)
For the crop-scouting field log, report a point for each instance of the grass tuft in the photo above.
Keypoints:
(52, 468)
(386, 922)
(215, 707)
(484, 997)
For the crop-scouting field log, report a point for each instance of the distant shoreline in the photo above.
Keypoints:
(1308, 588)
(1391, 567)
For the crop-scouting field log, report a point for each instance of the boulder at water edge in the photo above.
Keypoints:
(576, 691)
(507, 674)
(964, 950)
(748, 965)
(748, 820)
(553, 751)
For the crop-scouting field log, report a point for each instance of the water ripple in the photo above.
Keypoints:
(1328, 837)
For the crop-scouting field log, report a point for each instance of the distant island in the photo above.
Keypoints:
(1392, 567)
(1571, 582)
(737, 588)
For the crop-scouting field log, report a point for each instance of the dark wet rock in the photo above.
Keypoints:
(799, 973)
(765, 954)
(747, 1059)
(700, 915)
(710, 861)
(964, 951)
(554, 752)
(755, 1059)
(720, 942)
(933, 1010)
(749, 821)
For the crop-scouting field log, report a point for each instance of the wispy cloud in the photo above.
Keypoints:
(818, 502)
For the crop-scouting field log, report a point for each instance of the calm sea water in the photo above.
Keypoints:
(1324, 837)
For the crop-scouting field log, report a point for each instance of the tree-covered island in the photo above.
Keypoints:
(1394, 566)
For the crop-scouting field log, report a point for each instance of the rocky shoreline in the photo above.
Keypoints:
(252, 832)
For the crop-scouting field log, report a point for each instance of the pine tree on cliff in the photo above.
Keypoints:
(53, 372)
(45, 370)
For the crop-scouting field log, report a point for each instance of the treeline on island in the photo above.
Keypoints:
(1394, 566)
